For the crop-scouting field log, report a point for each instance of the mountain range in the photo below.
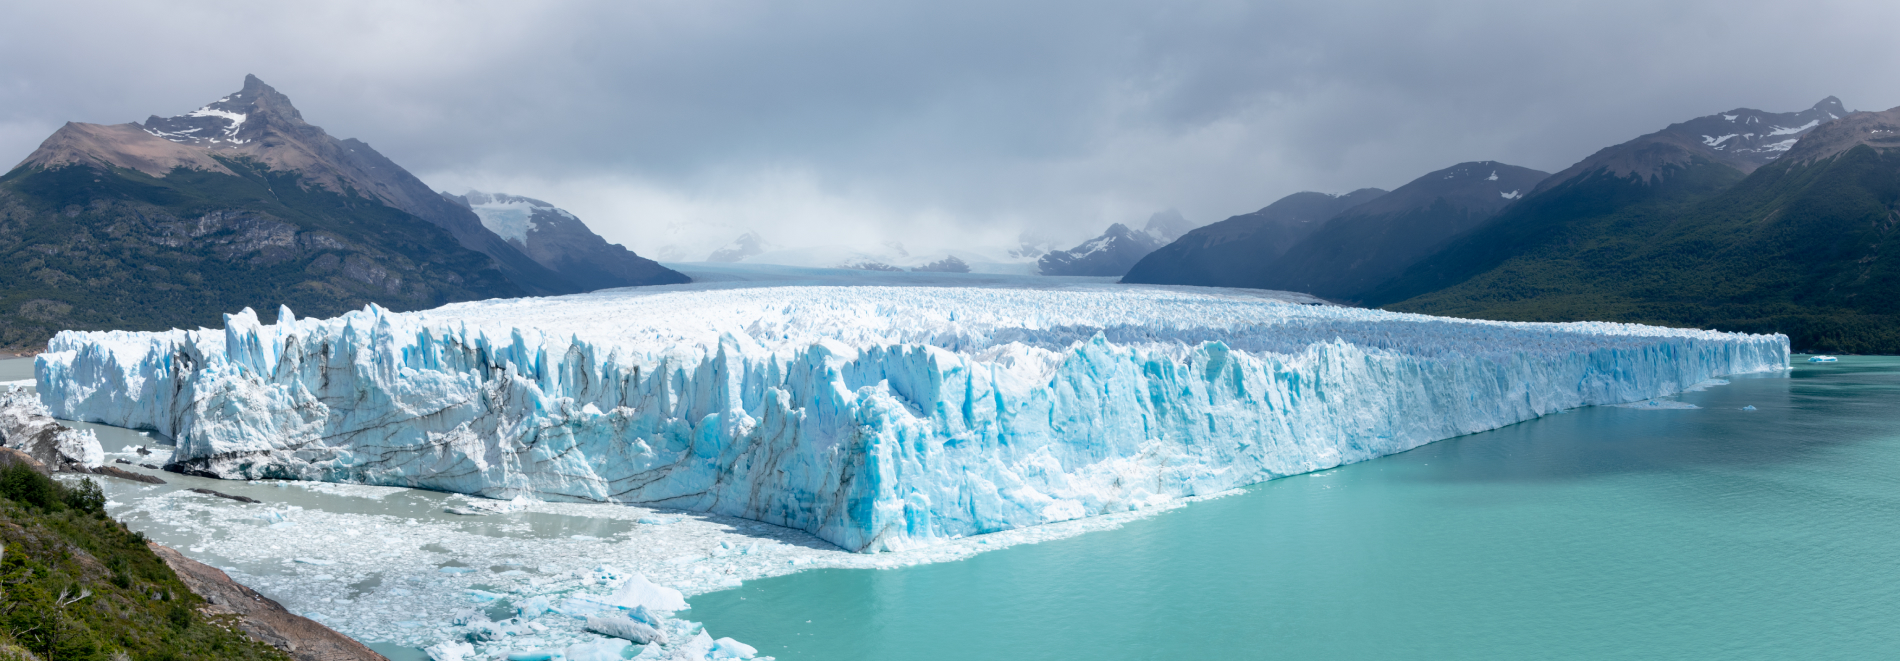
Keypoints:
(1742, 220)
(1117, 249)
(1237, 251)
(177, 220)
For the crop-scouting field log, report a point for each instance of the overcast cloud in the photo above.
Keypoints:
(943, 124)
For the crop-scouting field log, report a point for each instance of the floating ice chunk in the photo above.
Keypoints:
(456, 570)
(484, 631)
(639, 592)
(1750, 407)
(532, 607)
(449, 651)
(464, 511)
(621, 626)
(698, 647)
(1824, 359)
(482, 595)
(605, 649)
(314, 561)
(727, 648)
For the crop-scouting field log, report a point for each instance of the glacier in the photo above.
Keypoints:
(878, 418)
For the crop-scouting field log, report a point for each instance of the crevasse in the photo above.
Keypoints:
(878, 418)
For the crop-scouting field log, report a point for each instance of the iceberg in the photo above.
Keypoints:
(877, 418)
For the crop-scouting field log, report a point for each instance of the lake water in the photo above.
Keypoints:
(1598, 533)
(1602, 533)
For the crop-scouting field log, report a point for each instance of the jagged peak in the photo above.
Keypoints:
(236, 119)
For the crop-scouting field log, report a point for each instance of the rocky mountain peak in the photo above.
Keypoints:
(1879, 130)
(237, 119)
(1169, 225)
(1743, 138)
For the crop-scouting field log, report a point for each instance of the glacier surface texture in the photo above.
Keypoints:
(877, 418)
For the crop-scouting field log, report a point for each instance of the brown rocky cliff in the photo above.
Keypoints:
(262, 618)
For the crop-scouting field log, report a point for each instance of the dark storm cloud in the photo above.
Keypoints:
(938, 122)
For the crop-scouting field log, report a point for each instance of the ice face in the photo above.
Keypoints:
(877, 418)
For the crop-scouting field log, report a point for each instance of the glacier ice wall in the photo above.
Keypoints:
(874, 417)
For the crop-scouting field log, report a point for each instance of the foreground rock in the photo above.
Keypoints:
(262, 618)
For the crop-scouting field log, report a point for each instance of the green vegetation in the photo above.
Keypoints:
(1796, 249)
(82, 248)
(75, 584)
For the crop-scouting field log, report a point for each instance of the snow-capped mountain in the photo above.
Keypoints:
(260, 124)
(558, 240)
(747, 245)
(1743, 138)
(1117, 249)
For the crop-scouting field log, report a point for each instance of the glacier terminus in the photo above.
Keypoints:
(875, 417)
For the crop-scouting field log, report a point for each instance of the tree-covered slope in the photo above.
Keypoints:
(1801, 246)
(96, 247)
(75, 584)
(1368, 244)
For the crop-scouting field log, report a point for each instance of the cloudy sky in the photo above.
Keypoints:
(943, 124)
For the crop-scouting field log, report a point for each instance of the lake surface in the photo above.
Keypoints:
(1601, 533)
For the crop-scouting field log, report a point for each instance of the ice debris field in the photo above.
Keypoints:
(522, 578)
(876, 418)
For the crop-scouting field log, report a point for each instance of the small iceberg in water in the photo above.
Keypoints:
(1824, 359)
(1750, 407)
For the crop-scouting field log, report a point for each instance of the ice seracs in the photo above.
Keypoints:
(877, 418)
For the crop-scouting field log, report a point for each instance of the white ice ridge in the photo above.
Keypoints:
(877, 418)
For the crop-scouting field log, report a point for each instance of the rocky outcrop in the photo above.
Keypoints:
(262, 618)
(27, 429)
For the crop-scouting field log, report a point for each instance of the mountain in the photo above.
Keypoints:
(1238, 250)
(1366, 245)
(239, 204)
(1117, 249)
(260, 124)
(558, 240)
(1799, 243)
(747, 245)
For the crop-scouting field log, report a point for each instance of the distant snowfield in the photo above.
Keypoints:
(925, 417)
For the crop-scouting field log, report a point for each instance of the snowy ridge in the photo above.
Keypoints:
(877, 418)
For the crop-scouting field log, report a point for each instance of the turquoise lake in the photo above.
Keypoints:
(1600, 533)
